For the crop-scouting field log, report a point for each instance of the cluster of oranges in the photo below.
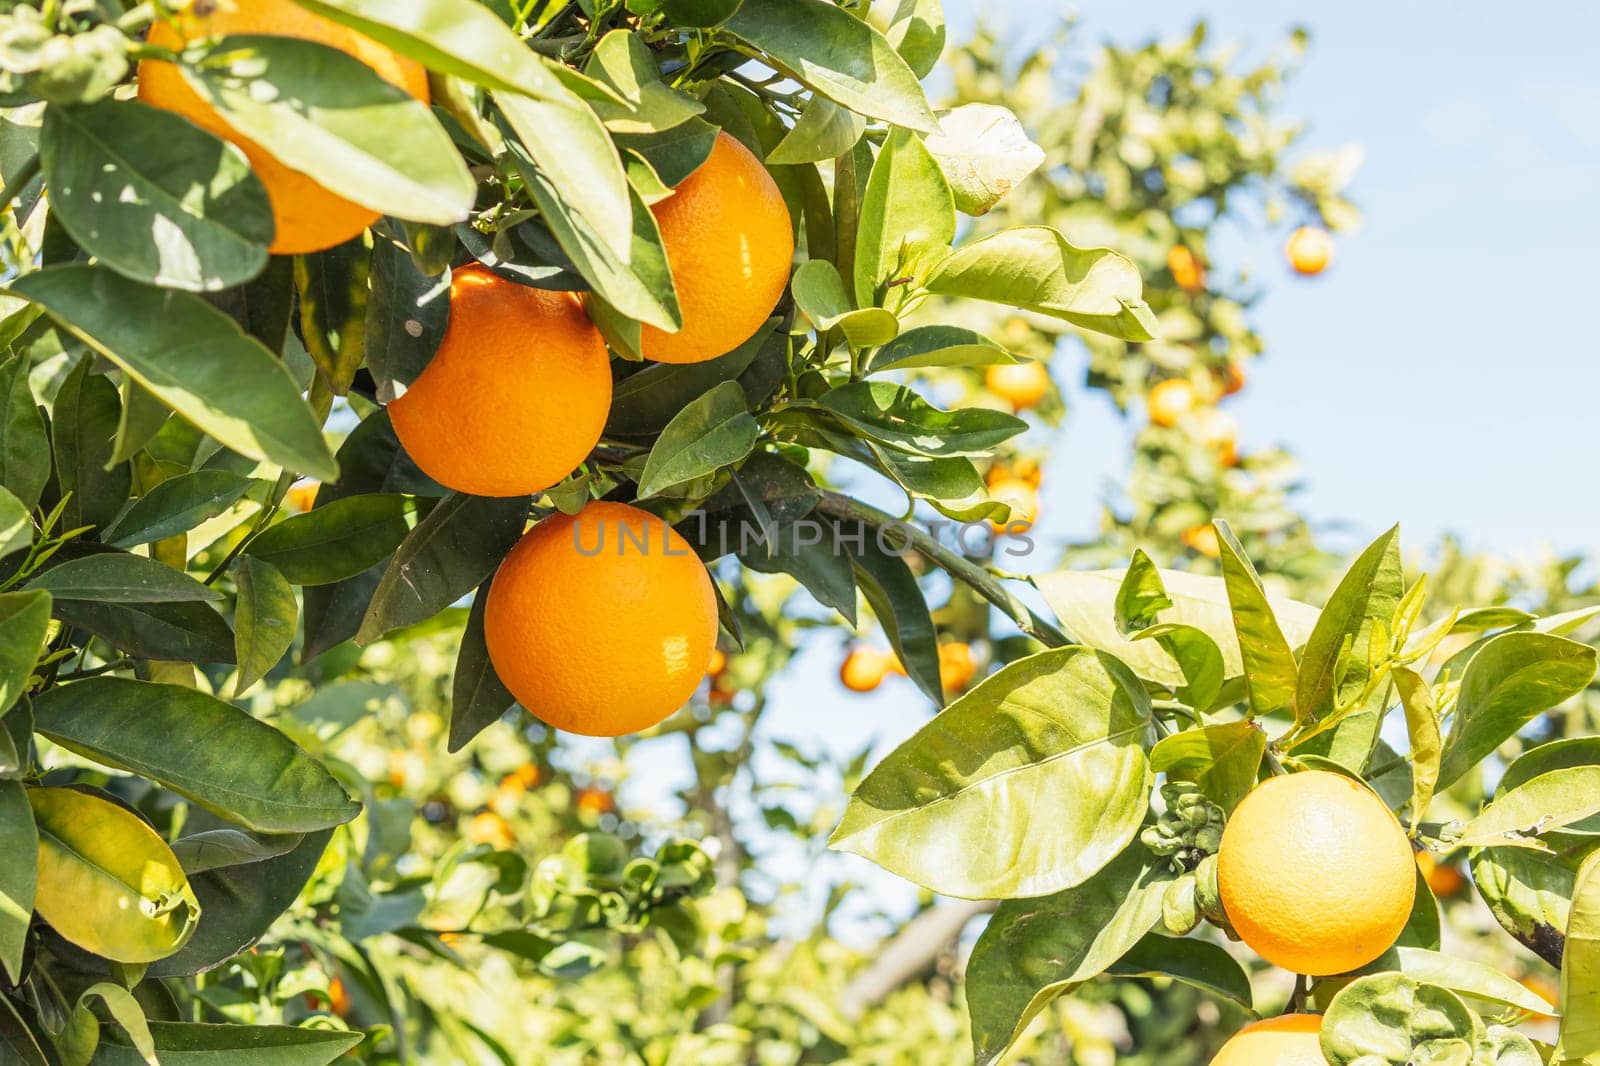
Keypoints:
(865, 668)
(518, 393)
(1343, 917)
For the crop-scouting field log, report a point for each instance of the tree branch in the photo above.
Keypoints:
(909, 953)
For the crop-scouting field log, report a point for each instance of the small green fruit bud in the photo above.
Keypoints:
(1179, 912)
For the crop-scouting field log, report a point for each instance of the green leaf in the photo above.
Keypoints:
(897, 417)
(1034, 950)
(332, 288)
(1198, 963)
(699, 12)
(836, 54)
(154, 197)
(264, 619)
(1366, 597)
(19, 841)
(177, 505)
(240, 899)
(625, 63)
(714, 431)
(984, 153)
(1084, 601)
(24, 447)
(24, 1041)
(1556, 755)
(193, 357)
(820, 294)
(478, 698)
(1464, 977)
(16, 527)
(953, 808)
(83, 426)
(445, 557)
(1036, 269)
(117, 577)
(1270, 671)
(331, 117)
(407, 314)
(1391, 1018)
(1515, 677)
(24, 624)
(1580, 971)
(1530, 892)
(823, 131)
(123, 1009)
(1422, 727)
(181, 632)
(1141, 596)
(915, 28)
(1197, 655)
(189, 1044)
(1223, 759)
(141, 420)
(1422, 928)
(107, 882)
(1550, 801)
(335, 540)
(219, 756)
(907, 220)
(676, 153)
(645, 401)
(891, 590)
(933, 346)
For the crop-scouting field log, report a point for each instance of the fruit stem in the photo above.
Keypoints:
(968, 573)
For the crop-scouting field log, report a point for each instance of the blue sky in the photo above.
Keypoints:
(1442, 374)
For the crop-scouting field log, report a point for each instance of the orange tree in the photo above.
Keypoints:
(533, 262)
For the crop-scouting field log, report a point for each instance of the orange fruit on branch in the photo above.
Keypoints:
(308, 216)
(601, 623)
(863, 669)
(1202, 539)
(1023, 499)
(1169, 401)
(1022, 385)
(1315, 873)
(1310, 248)
(957, 667)
(1186, 269)
(516, 395)
(730, 241)
(1288, 1040)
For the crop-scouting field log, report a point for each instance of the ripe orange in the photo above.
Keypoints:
(719, 662)
(302, 495)
(1021, 468)
(1203, 539)
(1315, 873)
(338, 997)
(487, 827)
(1309, 250)
(1022, 498)
(603, 622)
(729, 241)
(308, 216)
(1218, 431)
(863, 669)
(516, 395)
(957, 667)
(1186, 269)
(1444, 879)
(1022, 385)
(1169, 401)
(1288, 1040)
(592, 799)
(1233, 378)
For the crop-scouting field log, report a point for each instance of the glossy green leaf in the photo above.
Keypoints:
(183, 632)
(823, 130)
(897, 417)
(264, 619)
(897, 601)
(1464, 977)
(1036, 269)
(329, 116)
(1548, 802)
(123, 1009)
(1530, 892)
(1084, 601)
(645, 401)
(1423, 928)
(953, 808)
(908, 220)
(1514, 678)
(193, 357)
(445, 557)
(1198, 963)
(1365, 598)
(83, 426)
(1580, 971)
(24, 624)
(1141, 597)
(155, 197)
(820, 295)
(1391, 1018)
(478, 698)
(624, 62)
(713, 431)
(984, 153)
(331, 298)
(1556, 755)
(118, 577)
(177, 505)
(927, 346)
(24, 447)
(1223, 759)
(838, 55)
(407, 314)
(1034, 950)
(1270, 671)
(19, 841)
(191, 1044)
(914, 27)
(336, 540)
(219, 756)
(107, 881)
(1422, 728)
(1197, 655)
